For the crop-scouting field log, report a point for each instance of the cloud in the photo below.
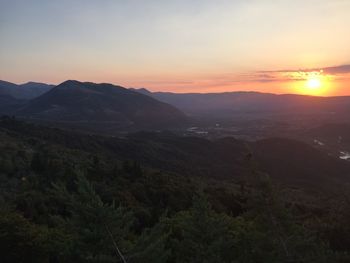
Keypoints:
(302, 74)
(343, 69)
(252, 78)
(329, 70)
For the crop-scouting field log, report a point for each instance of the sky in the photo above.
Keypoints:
(277, 46)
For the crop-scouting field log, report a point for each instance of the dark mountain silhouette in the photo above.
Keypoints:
(89, 103)
(25, 91)
(227, 104)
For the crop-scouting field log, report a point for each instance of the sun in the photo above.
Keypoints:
(314, 83)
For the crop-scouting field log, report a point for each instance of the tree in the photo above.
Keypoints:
(99, 229)
(273, 235)
(20, 240)
(151, 246)
(200, 234)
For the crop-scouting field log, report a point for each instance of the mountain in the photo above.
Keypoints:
(245, 104)
(25, 91)
(90, 104)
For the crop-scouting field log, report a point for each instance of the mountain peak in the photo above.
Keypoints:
(70, 82)
(86, 102)
(25, 91)
(34, 83)
(141, 90)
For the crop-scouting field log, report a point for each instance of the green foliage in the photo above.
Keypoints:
(23, 241)
(273, 235)
(95, 225)
(202, 235)
(151, 246)
(69, 198)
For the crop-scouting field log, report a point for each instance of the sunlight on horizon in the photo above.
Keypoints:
(315, 86)
(314, 83)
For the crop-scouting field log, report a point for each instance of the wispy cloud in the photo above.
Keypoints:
(280, 81)
(344, 69)
(303, 73)
(271, 76)
(332, 70)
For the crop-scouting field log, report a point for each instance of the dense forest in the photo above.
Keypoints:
(151, 197)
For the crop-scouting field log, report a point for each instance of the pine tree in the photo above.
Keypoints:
(274, 235)
(202, 235)
(151, 246)
(99, 229)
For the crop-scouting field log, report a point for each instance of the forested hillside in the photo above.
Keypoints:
(68, 197)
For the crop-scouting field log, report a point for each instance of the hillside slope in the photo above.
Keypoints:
(93, 104)
(287, 161)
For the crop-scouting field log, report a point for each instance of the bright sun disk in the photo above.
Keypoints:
(314, 83)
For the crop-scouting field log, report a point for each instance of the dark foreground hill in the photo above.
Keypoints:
(157, 197)
(287, 161)
(101, 107)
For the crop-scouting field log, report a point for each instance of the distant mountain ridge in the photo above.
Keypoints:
(86, 102)
(27, 91)
(228, 103)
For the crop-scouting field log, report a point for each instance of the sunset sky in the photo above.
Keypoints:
(278, 46)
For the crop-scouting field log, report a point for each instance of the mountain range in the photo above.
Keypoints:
(252, 104)
(25, 91)
(109, 108)
(88, 104)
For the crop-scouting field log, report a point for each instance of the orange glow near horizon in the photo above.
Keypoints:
(305, 82)
(315, 84)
